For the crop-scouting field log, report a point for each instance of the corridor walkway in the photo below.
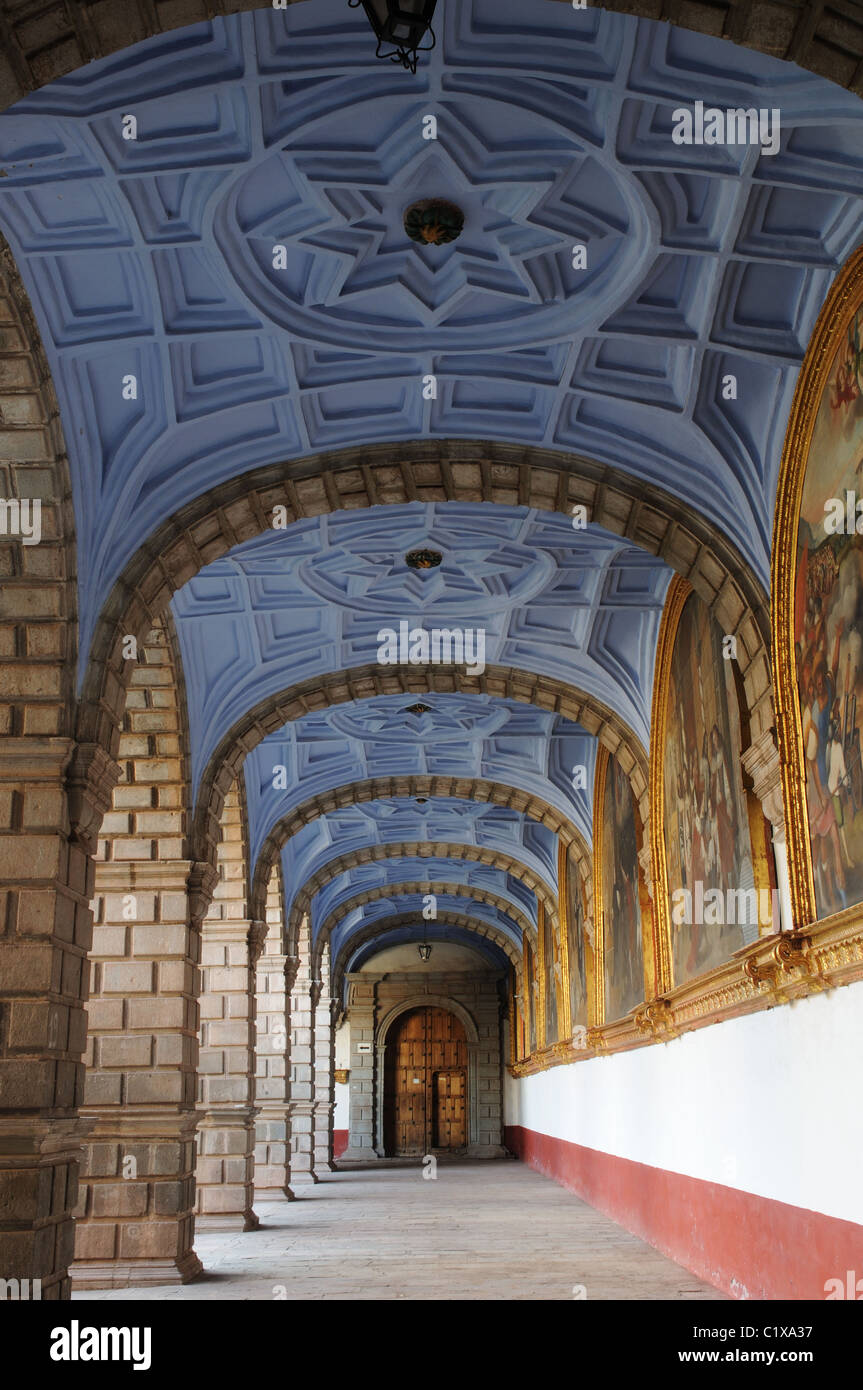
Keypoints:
(481, 1230)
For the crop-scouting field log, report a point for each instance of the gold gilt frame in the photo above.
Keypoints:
(564, 998)
(779, 966)
(598, 1011)
(678, 592)
(843, 301)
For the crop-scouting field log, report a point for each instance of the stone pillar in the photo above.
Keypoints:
(52, 798)
(761, 761)
(225, 1172)
(361, 1139)
(325, 1049)
(304, 999)
(136, 1210)
(275, 978)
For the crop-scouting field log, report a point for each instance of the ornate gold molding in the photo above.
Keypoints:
(564, 1003)
(770, 972)
(842, 302)
(679, 591)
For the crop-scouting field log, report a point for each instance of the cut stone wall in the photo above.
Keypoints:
(375, 1002)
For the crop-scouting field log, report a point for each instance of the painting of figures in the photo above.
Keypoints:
(828, 631)
(708, 847)
(575, 943)
(623, 951)
(550, 978)
(529, 998)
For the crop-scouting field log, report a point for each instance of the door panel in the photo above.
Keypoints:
(449, 1124)
(425, 1083)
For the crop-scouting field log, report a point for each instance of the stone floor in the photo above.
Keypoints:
(481, 1230)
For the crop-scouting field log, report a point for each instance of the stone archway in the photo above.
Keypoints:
(428, 471)
(462, 788)
(46, 39)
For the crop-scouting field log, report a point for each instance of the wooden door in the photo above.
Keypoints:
(449, 1120)
(425, 1084)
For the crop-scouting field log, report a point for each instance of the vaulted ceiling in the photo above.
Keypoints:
(153, 258)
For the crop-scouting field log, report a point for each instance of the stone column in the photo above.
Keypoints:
(137, 1201)
(761, 761)
(304, 999)
(325, 1049)
(275, 978)
(225, 1172)
(52, 799)
(361, 1140)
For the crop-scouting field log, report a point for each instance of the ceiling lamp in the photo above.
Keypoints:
(403, 24)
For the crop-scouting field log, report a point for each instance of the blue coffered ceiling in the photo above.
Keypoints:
(408, 869)
(583, 607)
(397, 821)
(470, 736)
(397, 904)
(153, 257)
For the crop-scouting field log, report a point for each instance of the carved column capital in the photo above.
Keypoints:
(761, 761)
(200, 886)
(257, 940)
(292, 967)
(90, 781)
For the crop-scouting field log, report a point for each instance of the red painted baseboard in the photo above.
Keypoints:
(340, 1142)
(748, 1246)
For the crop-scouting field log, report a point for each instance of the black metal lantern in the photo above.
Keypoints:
(425, 950)
(403, 24)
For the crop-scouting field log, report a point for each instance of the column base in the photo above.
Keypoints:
(321, 1169)
(355, 1155)
(132, 1274)
(307, 1179)
(227, 1221)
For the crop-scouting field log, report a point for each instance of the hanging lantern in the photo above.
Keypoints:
(403, 24)
(425, 950)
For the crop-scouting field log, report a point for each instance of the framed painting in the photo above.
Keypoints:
(818, 612)
(617, 892)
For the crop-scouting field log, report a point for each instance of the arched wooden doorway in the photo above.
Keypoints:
(425, 1084)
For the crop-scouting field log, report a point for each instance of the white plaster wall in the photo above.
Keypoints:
(342, 1112)
(769, 1103)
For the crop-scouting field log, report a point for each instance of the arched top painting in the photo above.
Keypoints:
(574, 925)
(717, 896)
(550, 977)
(616, 888)
(818, 610)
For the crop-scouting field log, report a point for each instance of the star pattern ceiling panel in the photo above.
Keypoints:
(398, 904)
(409, 869)
(153, 257)
(582, 606)
(469, 736)
(439, 820)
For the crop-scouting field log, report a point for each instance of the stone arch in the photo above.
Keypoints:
(425, 849)
(389, 924)
(48, 40)
(363, 682)
(427, 471)
(418, 1001)
(414, 785)
(440, 888)
(38, 603)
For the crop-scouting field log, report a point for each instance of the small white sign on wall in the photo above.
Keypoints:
(364, 1047)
